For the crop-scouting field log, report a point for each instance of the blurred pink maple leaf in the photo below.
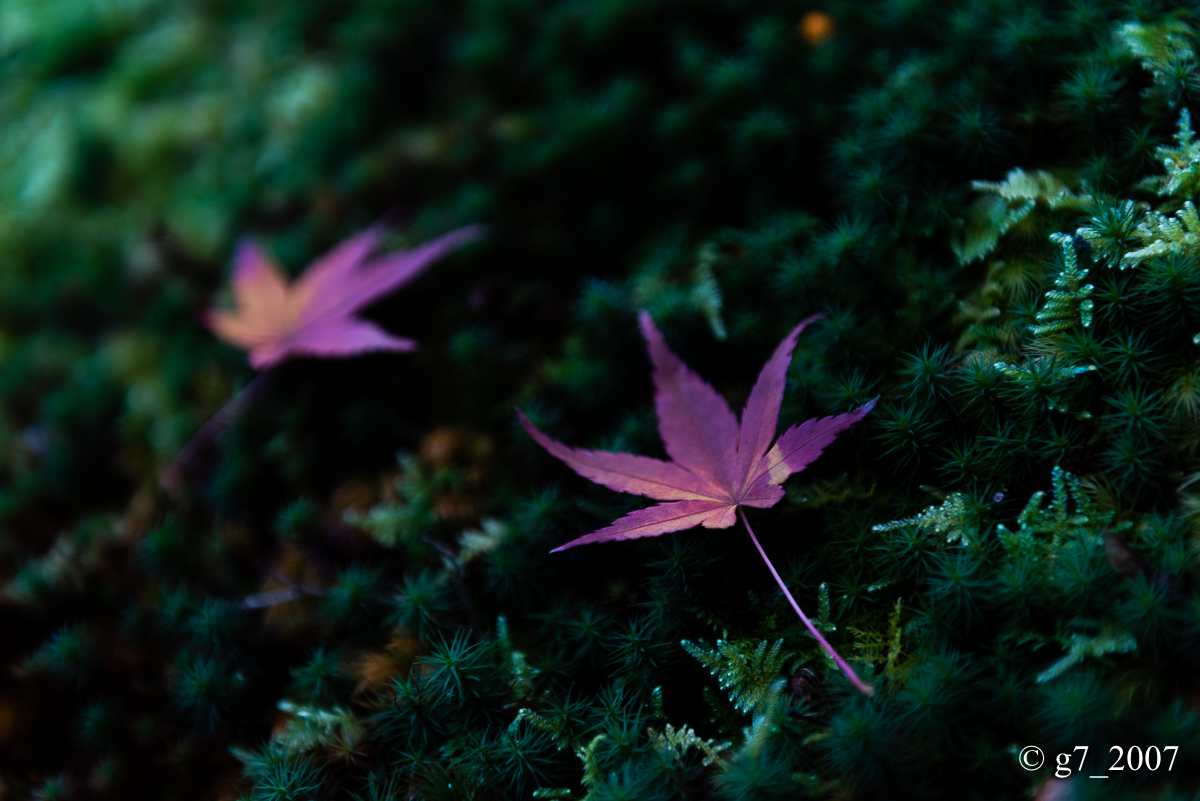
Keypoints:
(315, 314)
(717, 466)
(312, 316)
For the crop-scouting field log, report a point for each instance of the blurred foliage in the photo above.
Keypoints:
(352, 595)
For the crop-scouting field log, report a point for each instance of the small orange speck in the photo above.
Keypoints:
(440, 447)
(816, 27)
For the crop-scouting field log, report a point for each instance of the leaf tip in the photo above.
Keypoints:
(646, 323)
(248, 258)
(470, 233)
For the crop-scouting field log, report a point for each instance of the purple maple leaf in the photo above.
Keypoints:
(718, 466)
(315, 315)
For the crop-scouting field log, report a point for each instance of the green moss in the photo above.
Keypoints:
(990, 202)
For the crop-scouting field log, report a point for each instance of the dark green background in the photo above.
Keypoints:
(697, 158)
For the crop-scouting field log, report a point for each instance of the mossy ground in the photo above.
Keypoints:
(352, 597)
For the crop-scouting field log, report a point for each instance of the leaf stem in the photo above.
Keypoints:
(865, 689)
(202, 441)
